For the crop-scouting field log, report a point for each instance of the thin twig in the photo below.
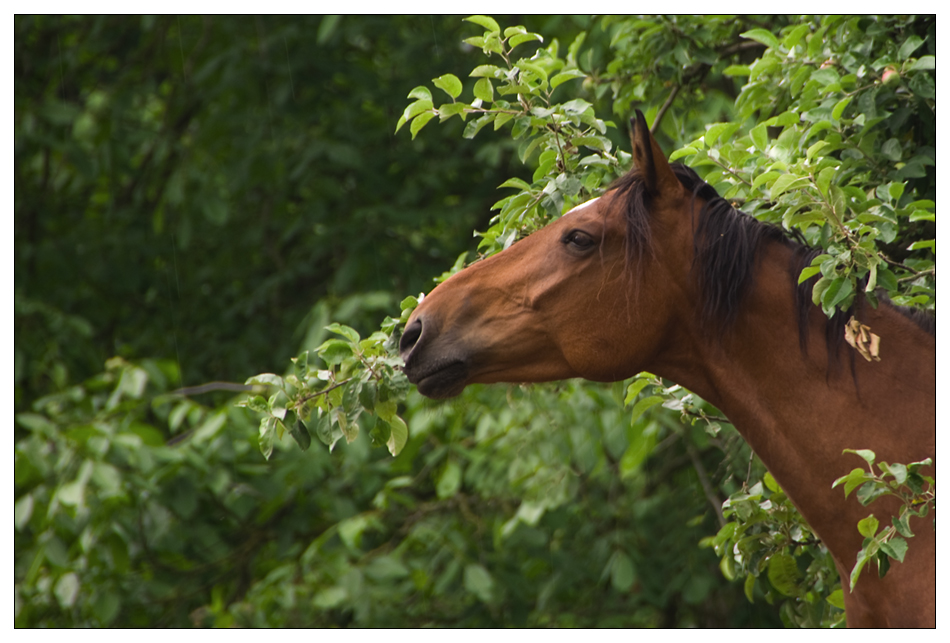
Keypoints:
(704, 481)
(666, 106)
(706, 416)
(914, 273)
(324, 391)
(932, 271)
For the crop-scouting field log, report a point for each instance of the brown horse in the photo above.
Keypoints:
(662, 275)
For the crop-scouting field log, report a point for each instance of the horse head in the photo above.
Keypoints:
(586, 296)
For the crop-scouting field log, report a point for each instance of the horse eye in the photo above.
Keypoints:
(578, 239)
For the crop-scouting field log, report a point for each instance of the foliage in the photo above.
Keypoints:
(143, 144)
(916, 500)
(330, 402)
(493, 514)
(187, 185)
(838, 153)
(769, 544)
(99, 528)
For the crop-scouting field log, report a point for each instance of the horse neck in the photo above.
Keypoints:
(797, 410)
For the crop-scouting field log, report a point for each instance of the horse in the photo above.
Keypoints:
(660, 274)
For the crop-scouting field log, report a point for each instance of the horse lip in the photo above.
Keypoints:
(441, 379)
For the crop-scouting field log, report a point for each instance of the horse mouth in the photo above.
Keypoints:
(440, 380)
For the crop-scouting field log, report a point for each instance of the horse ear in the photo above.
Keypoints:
(649, 158)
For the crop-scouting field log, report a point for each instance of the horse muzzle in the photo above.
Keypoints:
(438, 372)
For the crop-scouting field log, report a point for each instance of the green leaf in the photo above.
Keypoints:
(67, 589)
(449, 481)
(717, 130)
(837, 291)
(927, 243)
(386, 409)
(923, 63)
(634, 389)
(475, 41)
(892, 149)
(479, 582)
(266, 379)
(399, 435)
(808, 272)
(106, 607)
(868, 455)
(818, 290)
(473, 127)
(416, 108)
(621, 572)
(593, 142)
(523, 38)
(421, 93)
(265, 440)
(902, 524)
(883, 563)
(450, 84)
(869, 492)
(300, 434)
(487, 71)
(326, 432)
(22, 511)
(909, 46)
(764, 36)
(345, 331)
(795, 36)
(855, 479)
(862, 560)
(816, 149)
(770, 483)
(484, 90)
(785, 182)
(643, 405)
(836, 598)
(737, 70)
(516, 183)
(420, 122)
(760, 136)
(899, 471)
(784, 119)
(922, 215)
(564, 76)
(683, 151)
(640, 447)
(783, 574)
(576, 106)
(749, 587)
(334, 351)
(896, 548)
(764, 178)
(39, 424)
(486, 22)
(840, 107)
(867, 527)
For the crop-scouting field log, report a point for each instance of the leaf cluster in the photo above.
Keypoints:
(917, 494)
(333, 385)
(830, 155)
(768, 543)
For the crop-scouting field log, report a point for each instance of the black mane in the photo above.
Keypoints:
(726, 243)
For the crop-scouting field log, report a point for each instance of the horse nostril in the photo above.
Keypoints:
(409, 337)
